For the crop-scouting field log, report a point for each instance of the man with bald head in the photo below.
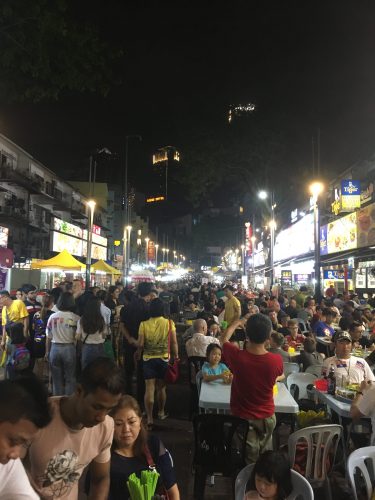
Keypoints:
(197, 345)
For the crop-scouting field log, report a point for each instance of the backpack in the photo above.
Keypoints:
(21, 358)
(39, 341)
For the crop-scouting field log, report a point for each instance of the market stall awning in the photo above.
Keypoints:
(62, 261)
(103, 267)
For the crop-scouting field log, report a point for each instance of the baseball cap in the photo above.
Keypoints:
(340, 336)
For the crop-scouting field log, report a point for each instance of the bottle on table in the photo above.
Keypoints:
(331, 381)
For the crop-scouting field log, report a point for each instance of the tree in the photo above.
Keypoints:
(47, 49)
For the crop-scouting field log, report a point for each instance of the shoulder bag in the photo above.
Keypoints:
(173, 370)
(161, 491)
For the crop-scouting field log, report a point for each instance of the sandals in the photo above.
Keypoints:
(163, 416)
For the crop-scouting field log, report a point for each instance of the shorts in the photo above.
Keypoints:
(154, 368)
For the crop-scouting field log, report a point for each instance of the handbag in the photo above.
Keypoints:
(161, 491)
(173, 369)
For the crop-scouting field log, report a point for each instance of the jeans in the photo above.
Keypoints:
(62, 360)
(91, 352)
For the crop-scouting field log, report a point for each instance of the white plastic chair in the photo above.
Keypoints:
(301, 380)
(322, 442)
(314, 369)
(290, 368)
(364, 460)
(301, 487)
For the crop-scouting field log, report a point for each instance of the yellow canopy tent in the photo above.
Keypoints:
(103, 267)
(62, 261)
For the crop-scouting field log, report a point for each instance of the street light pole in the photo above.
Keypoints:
(167, 250)
(263, 195)
(128, 229)
(156, 256)
(316, 188)
(90, 220)
(146, 251)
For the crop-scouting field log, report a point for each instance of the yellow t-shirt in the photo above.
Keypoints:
(15, 312)
(232, 310)
(155, 332)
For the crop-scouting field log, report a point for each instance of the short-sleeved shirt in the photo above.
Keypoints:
(366, 406)
(14, 483)
(32, 308)
(59, 454)
(217, 370)
(253, 379)
(91, 338)
(155, 333)
(232, 310)
(61, 327)
(197, 345)
(291, 342)
(132, 315)
(321, 329)
(16, 312)
(356, 369)
(122, 467)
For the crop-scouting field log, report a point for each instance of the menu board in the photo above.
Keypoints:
(360, 278)
(370, 278)
(342, 234)
(366, 226)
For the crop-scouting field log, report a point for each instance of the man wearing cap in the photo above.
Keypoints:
(353, 369)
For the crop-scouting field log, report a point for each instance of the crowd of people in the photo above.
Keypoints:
(103, 356)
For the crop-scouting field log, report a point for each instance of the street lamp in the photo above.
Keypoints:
(316, 189)
(90, 220)
(128, 229)
(146, 252)
(156, 256)
(263, 195)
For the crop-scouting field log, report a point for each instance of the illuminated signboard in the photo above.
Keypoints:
(154, 199)
(342, 234)
(67, 228)
(248, 242)
(151, 251)
(366, 226)
(62, 241)
(97, 251)
(296, 240)
(96, 229)
(333, 274)
(286, 277)
(350, 195)
(323, 240)
(4, 232)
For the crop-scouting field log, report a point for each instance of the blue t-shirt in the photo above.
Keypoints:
(218, 370)
(323, 330)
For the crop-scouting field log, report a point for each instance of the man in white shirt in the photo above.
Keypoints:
(197, 345)
(363, 405)
(24, 410)
(353, 369)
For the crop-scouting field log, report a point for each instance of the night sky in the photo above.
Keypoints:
(304, 64)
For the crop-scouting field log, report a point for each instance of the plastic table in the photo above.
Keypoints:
(216, 396)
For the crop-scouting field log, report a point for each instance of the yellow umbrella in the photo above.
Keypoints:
(62, 261)
(103, 267)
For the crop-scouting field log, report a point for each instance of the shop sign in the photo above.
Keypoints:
(151, 251)
(333, 274)
(286, 277)
(336, 206)
(302, 278)
(96, 229)
(342, 234)
(366, 194)
(97, 251)
(323, 240)
(366, 226)
(67, 228)
(4, 232)
(296, 240)
(248, 243)
(62, 241)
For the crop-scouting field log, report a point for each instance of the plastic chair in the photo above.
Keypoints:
(301, 487)
(195, 364)
(364, 460)
(315, 370)
(290, 368)
(301, 380)
(322, 442)
(217, 450)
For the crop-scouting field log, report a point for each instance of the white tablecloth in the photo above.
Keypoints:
(216, 396)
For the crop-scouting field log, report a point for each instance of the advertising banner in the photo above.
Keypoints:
(366, 226)
(296, 240)
(151, 251)
(342, 234)
(248, 243)
(67, 228)
(323, 240)
(333, 274)
(350, 195)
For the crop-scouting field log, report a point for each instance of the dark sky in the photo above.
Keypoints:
(305, 64)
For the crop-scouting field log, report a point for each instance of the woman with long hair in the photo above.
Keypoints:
(133, 451)
(61, 349)
(153, 341)
(91, 331)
